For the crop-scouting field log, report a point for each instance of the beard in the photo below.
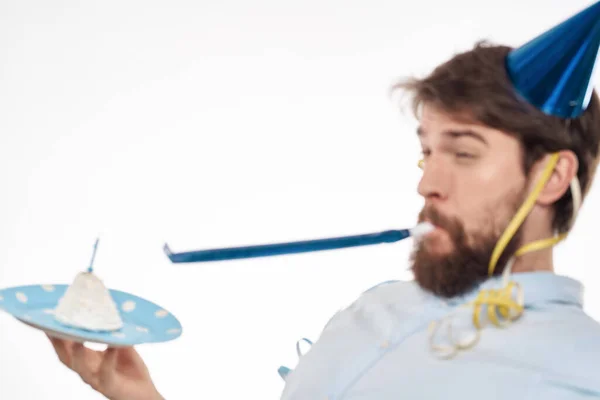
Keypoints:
(455, 273)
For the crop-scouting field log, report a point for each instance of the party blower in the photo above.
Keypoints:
(276, 249)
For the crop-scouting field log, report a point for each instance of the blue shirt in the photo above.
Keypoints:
(378, 348)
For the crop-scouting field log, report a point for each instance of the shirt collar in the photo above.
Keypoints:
(540, 287)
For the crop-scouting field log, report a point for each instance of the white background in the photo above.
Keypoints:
(222, 123)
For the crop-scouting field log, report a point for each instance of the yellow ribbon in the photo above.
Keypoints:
(506, 304)
(501, 302)
(522, 213)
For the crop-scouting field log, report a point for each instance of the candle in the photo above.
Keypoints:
(91, 267)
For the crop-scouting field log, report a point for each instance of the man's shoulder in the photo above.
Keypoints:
(393, 291)
(392, 283)
(404, 286)
(403, 293)
(581, 329)
(562, 342)
(560, 326)
(568, 320)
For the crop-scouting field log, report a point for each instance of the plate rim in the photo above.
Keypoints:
(81, 335)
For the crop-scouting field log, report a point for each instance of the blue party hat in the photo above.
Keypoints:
(554, 71)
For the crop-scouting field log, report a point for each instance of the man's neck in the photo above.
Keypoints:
(537, 226)
(541, 260)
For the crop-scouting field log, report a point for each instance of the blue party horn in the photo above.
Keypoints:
(276, 249)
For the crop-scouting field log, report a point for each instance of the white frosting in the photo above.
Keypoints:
(87, 304)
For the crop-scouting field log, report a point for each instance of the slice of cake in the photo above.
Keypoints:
(87, 304)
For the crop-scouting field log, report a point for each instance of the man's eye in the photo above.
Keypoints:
(424, 155)
(463, 155)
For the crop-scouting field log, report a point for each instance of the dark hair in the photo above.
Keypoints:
(475, 85)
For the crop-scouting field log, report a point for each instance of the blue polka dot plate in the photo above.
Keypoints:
(143, 321)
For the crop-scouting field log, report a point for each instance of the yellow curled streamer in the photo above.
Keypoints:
(507, 304)
(500, 303)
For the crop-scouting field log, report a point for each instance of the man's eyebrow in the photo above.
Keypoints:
(455, 134)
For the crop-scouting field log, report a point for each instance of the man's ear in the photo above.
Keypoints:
(558, 184)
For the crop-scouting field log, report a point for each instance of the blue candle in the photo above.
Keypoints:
(91, 267)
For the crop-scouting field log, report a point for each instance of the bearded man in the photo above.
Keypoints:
(510, 141)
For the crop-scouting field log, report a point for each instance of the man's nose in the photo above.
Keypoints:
(435, 181)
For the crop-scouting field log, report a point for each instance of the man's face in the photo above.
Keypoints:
(473, 184)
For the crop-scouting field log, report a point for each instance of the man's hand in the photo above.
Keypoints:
(117, 373)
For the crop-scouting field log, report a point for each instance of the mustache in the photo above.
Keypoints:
(433, 215)
(451, 225)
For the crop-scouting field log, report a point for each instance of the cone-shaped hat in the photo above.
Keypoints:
(555, 71)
